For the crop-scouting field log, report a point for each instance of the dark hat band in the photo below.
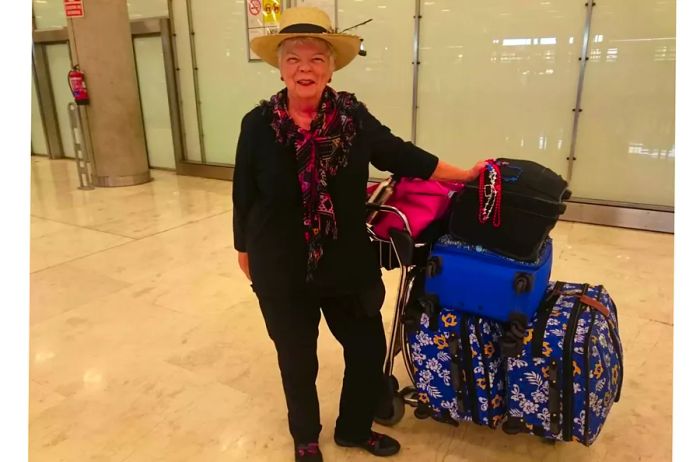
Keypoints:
(302, 28)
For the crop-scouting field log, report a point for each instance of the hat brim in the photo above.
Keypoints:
(346, 46)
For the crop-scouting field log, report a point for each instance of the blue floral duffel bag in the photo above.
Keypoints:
(568, 371)
(458, 372)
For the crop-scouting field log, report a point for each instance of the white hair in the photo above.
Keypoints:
(294, 41)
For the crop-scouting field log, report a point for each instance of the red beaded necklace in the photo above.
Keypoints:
(490, 195)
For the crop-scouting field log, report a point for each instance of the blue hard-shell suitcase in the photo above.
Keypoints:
(568, 372)
(472, 279)
(459, 373)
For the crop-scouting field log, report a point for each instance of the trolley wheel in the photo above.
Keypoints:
(406, 391)
(398, 411)
(394, 382)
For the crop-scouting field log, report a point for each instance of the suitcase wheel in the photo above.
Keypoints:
(421, 413)
(428, 305)
(509, 346)
(517, 331)
(512, 426)
(518, 319)
(567, 195)
(522, 283)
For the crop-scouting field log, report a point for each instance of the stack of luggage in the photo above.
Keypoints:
(492, 340)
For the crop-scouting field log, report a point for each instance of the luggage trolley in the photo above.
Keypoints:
(399, 251)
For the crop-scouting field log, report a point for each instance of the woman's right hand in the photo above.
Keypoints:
(243, 264)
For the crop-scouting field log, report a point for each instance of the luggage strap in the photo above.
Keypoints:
(595, 304)
(585, 299)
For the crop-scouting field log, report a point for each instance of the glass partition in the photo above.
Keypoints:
(39, 145)
(140, 9)
(49, 14)
(229, 85)
(626, 142)
(383, 79)
(498, 79)
(58, 56)
(150, 67)
(185, 77)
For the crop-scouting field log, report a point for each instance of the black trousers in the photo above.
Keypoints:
(355, 321)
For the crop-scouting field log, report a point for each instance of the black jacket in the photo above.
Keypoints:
(267, 207)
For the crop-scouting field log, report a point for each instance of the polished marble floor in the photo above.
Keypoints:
(147, 343)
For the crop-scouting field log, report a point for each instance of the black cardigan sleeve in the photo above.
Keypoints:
(244, 187)
(391, 153)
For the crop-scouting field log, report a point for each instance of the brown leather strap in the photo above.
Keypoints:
(595, 304)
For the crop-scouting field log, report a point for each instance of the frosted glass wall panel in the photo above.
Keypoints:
(49, 14)
(626, 147)
(383, 79)
(154, 101)
(498, 79)
(229, 85)
(39, 145)
(58, 56)
(139, 9)
(185, 77)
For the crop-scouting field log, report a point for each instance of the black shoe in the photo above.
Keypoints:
(377, 444)
(309, 452)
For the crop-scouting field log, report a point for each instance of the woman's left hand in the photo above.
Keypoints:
(476, 170)
(447, 172)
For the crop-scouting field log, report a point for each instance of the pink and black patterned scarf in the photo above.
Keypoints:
(320, 153)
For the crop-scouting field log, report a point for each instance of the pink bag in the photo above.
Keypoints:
(422, 201)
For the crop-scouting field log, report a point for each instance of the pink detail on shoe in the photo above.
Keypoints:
(308, 449)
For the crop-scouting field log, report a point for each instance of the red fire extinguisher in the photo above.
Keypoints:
(76, 81)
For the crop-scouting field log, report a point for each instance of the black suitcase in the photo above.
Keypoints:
(531, 201)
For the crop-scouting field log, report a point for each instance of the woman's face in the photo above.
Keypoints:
(306, 68)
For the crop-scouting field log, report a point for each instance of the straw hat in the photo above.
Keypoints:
(307, 22)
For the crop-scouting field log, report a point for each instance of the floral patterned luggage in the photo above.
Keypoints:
(458, 372)
(568, 372)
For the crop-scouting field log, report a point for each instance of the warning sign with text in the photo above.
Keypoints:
(74, 8)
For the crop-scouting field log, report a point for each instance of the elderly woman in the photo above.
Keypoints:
(299, 196)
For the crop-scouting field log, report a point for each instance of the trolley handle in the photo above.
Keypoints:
(390, 209)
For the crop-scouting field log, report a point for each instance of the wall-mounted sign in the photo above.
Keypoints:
(74, 8)
(262, 18)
